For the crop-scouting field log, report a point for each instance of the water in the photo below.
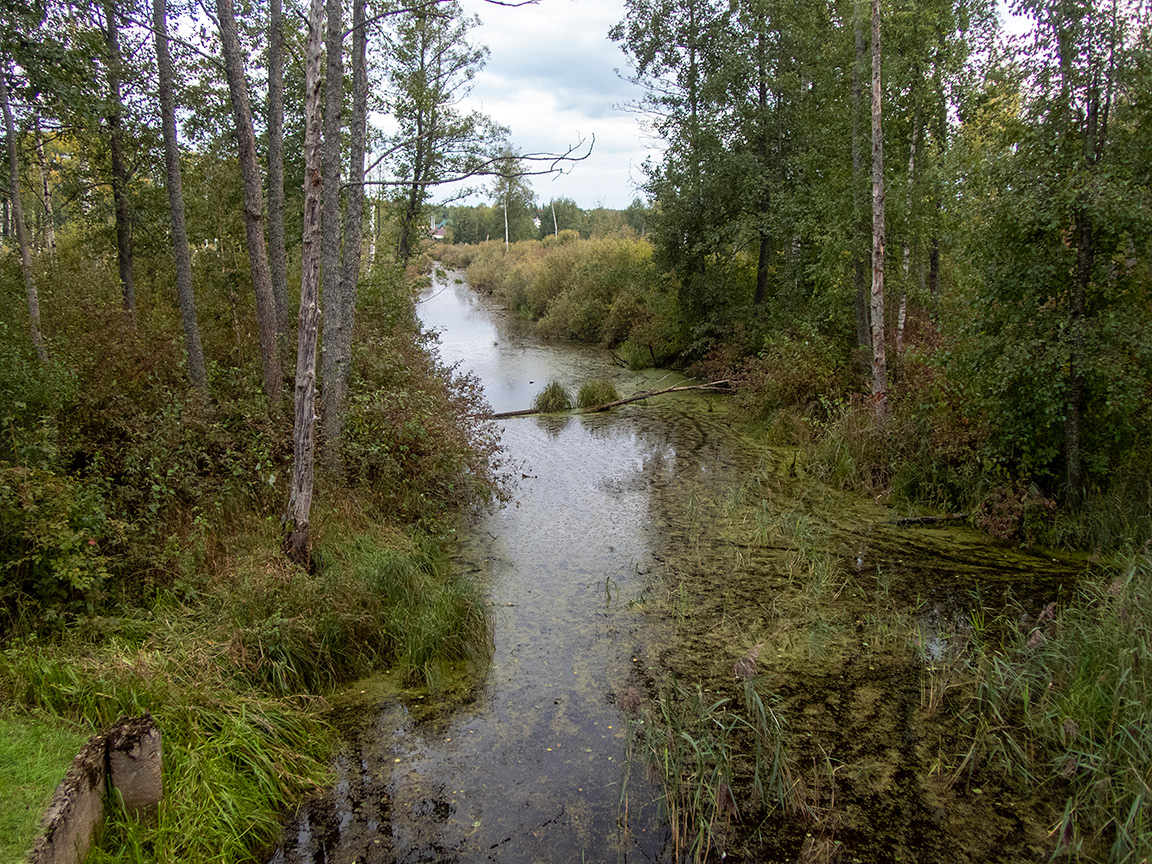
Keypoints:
(628, 557)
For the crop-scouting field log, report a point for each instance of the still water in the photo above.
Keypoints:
(664, 497)
(531, 768)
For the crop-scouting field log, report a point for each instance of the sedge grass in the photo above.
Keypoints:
(599, 391)
(1068, 702)
(554, 397)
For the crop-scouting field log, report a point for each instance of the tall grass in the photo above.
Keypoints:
(1068, 703)
(227, 670)
(694, 744)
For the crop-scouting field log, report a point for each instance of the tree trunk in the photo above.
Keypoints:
(1084, 260)
(859, 263)
(196, 369)
(902, 314)
(879, 364)
(298, 541)
(119, 170)
(49, 215)
(253, 199)
(336, 388)
(764, 238)
(18, 219)
(277, 256)
(334, 305)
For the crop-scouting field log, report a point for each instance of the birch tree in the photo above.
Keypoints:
(879, 361)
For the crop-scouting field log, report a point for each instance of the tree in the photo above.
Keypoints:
(513, 197)
(879, 360)
(1062, 315)
(277, 254)
(196, 370)
(432, 64)
(119, 168)
(340, 284)
(297, 540)
(30, 290)
(253, 198)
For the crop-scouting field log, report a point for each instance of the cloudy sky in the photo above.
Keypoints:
(551, 79)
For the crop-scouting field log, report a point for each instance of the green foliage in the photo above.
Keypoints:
(598, 392)
(417, 434)
(554, 397)
(52, 531)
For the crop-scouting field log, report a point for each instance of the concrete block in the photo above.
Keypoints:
(135, 765)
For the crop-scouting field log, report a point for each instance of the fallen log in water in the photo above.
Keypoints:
(722, 386)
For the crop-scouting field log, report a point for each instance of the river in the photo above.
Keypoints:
(641, 546)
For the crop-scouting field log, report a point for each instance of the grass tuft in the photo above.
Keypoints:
(554, 397)
(601, 391)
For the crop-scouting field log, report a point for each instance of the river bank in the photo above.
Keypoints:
(701, 648)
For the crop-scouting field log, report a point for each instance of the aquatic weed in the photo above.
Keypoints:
(554, 397)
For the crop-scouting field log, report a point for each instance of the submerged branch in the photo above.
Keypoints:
(722, 386)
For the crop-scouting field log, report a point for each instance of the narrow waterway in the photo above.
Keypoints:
(610, 510)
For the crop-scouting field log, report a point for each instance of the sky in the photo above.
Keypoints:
(550, 78)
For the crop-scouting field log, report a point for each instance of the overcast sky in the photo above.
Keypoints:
(551, 79)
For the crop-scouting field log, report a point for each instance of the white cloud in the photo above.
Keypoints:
(551, 79)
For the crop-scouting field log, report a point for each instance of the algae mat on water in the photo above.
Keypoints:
(811, 641)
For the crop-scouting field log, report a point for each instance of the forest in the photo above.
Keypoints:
(919, 246)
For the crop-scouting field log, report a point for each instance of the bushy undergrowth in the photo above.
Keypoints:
(140, 563)
(605, 290)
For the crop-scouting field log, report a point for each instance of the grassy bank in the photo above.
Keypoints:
(140, 562)
(606, 290)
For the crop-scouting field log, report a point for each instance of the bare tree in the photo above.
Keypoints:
(297, 541)
(196, 369)
(253, 197)
(18, 219)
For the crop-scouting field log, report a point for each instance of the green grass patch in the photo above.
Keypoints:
(35, 753)
(236, 666)
(598, 392)
(554, 397)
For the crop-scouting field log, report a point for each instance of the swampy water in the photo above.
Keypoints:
(645, 552)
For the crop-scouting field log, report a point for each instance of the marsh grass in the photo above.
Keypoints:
(600, 391)
(1067, 701)
(554, 397)
(690, 741)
